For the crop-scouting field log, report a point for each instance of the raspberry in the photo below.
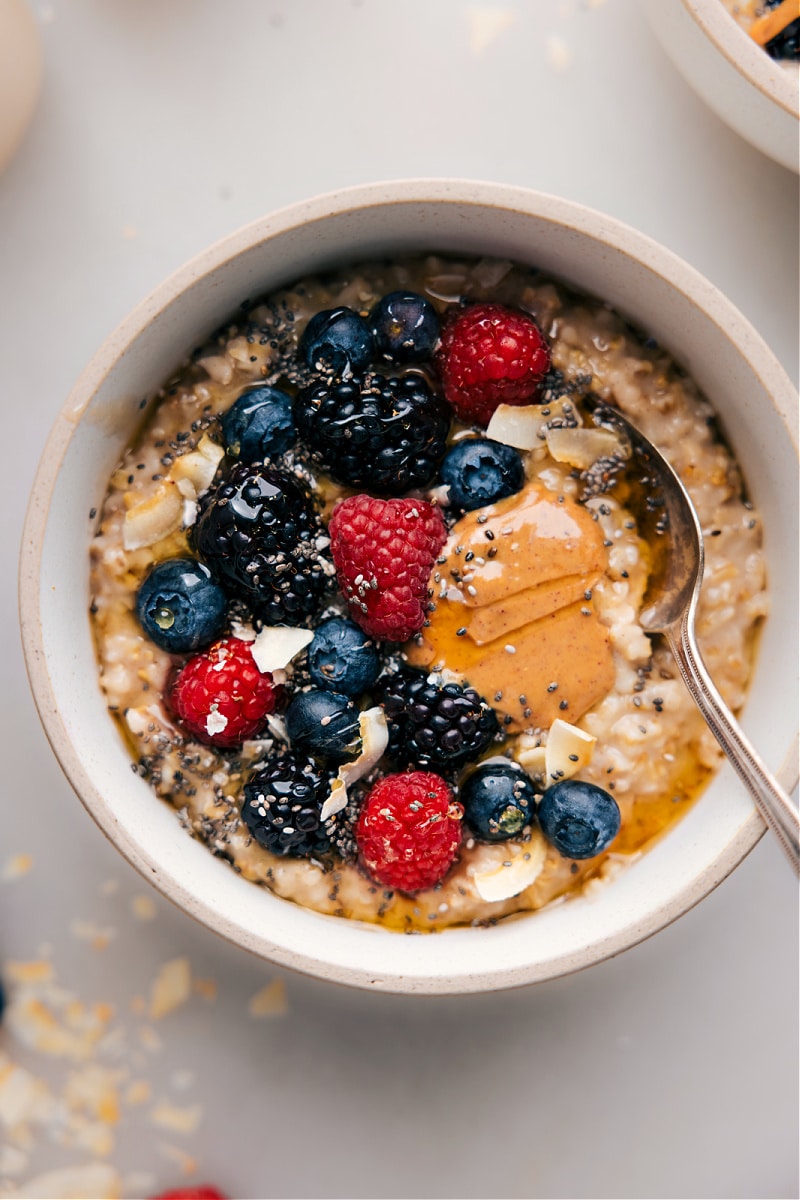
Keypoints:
(491, 355)
(201, 1192)
(384, 551)
(409, 831)
(221, 696)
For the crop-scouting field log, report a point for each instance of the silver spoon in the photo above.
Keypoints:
(671, 607)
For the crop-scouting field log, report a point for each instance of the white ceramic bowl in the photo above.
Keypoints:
(736, 78)
(662, 294)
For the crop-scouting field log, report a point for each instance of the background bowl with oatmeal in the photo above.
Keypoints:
(710, 43)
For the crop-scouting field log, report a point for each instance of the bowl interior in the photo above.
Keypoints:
(657, 292)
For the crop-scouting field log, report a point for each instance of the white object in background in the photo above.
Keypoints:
(749, 91)
(20, 74)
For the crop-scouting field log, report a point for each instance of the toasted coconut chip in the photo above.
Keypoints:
(154, 518)
(521, 868)
(93, 1181)
(177, 1119)
(172, 987)
(276, 646)
(569, 750)
(16, 867)
(271, 1001)
(582, 447)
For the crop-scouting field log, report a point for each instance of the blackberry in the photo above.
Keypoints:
(258, 533)
(432, 726)
(282, 807)
(384, 434)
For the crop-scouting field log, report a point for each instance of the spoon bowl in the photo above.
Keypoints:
(669, 523)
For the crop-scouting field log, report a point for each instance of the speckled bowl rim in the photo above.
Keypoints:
(744, 55)
(584, 221)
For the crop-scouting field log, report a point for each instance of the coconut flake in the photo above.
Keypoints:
(522, 425)
(337, 800)
(568, 750)
(91, 1181)
(276, 646)
(172, 987)
(199, 466)
(154, 518)
(582, 447)
(270, 1001)
(525, 863)
(216, 722)
(374, 740)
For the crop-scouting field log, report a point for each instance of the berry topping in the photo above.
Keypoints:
(336, 339)
(499, 801)
(580, 819)
(201, 1192)
(491, 355)
(282, 807)
(384, 551)
(259, 425)
(430, 725)
(479, 471)
(405, 326)
(221, 697)
(409, 831)
(180, 606)
(387, 435)
(324, 725)
(341, 658)
(259, 534)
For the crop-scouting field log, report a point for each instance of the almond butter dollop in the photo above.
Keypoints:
(514, 614)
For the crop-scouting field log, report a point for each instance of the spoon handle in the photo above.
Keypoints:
(771, 800)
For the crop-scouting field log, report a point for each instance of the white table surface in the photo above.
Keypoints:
(669, 1072)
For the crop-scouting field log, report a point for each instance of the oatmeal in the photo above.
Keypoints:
(365, 594)
(772, 24)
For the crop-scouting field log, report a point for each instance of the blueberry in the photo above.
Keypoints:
(180, 606)
(337, 338)
(324, 725)
(499, 801)
(479, 471)
(259, 425)
(580, 819)
(405, 327)
(341, 658)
